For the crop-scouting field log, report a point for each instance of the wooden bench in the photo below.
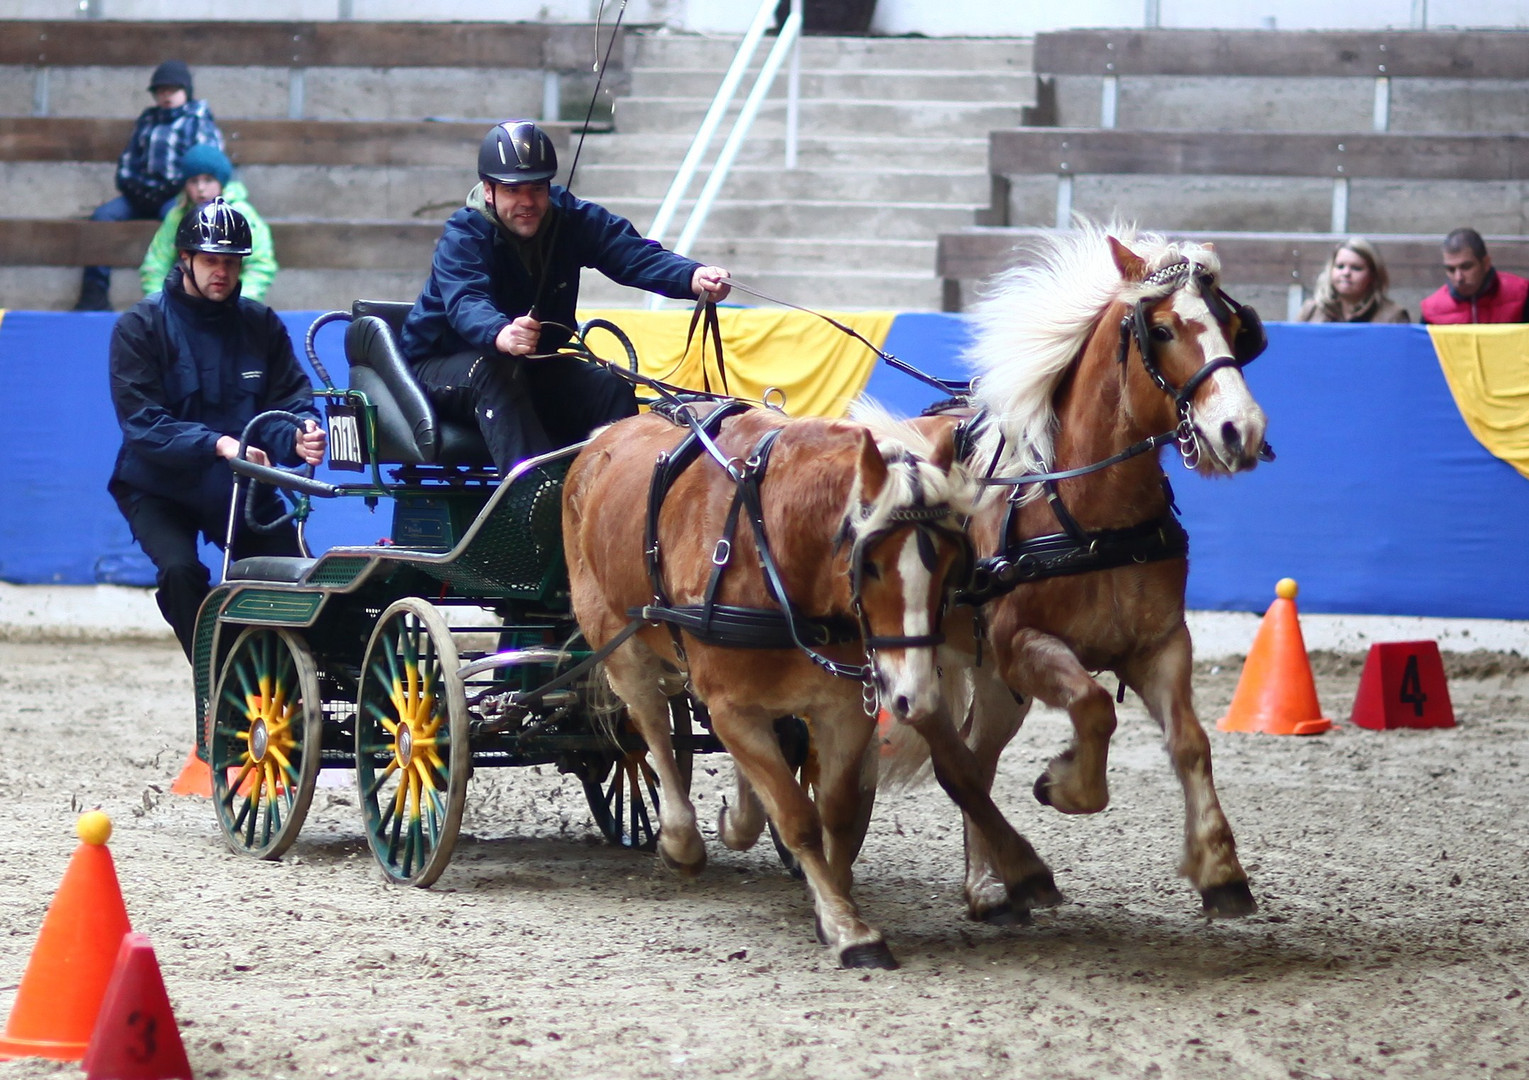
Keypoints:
(1286, 260)
(554, 51)
(1386, 68)
(265, 142)
(1066, 153)
(300, 245)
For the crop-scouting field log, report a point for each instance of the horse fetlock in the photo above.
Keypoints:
(987, 901)
(734, 838)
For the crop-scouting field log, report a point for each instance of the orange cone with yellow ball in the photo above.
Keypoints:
(1276, 694)
(76, 951)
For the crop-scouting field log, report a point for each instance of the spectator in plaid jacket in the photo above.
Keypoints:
(149, 175)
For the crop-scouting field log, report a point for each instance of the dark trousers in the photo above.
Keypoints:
(525, 407)
(122, 209)
(167, 532)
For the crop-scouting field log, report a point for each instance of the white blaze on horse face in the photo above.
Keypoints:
(1228, 422)
(909, 682)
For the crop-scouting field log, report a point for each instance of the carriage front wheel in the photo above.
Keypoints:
(265, 739)
(412, 750)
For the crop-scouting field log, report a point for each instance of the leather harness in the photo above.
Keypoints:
(1076, 550)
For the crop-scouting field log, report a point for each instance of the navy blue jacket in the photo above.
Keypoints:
(185, 371)
(478, 282)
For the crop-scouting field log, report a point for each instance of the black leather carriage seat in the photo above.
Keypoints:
(408, 430)
(282, 568)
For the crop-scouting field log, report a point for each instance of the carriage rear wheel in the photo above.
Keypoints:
(623, 790)
(265, 739)
(412, 749)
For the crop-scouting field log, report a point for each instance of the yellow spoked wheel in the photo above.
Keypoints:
(412, 752)
(265, 740)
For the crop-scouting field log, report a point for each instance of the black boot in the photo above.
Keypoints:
(93, 297)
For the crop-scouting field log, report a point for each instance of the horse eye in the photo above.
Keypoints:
(871, 570)
(1162, 333)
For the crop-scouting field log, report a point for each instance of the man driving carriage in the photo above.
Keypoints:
(502, 295)
(190, 367)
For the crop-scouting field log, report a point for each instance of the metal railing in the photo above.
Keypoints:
(786, 44)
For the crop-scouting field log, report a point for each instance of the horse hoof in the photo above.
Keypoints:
(1004, 914)
(873, 954)
(1230, 901)
(689, 870)
(1037, 891)
(1042, 789)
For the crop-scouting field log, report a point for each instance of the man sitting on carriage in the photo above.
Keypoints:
(191, 367)
(502, 295)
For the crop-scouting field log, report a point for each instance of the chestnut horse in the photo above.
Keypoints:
(862, 545)
(1088, 359)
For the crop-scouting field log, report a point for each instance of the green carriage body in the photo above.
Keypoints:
(347, 661)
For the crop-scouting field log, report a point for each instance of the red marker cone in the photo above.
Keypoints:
(76, 950)
(1277, 694)
(136, 1037)
(195, 777)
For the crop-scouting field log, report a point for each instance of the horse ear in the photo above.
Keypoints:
(872, 467)
(1131, 267)
(943, 453)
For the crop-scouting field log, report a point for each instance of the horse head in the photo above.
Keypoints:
(1192, 341)
(907, 553)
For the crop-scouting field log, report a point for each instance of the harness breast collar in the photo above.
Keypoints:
(1076, 550)
(728, 625)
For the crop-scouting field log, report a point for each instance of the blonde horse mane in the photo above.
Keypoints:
(1034, 320)
(911, 474)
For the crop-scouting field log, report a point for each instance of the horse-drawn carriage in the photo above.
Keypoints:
(413, 661)
(349, 661)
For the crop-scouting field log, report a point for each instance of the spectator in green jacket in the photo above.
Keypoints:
(209, 174)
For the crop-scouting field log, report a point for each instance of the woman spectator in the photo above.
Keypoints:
(209, 174)
(1352, 288)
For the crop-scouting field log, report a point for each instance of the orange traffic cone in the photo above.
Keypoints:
(1276, 694)
(195, 777)
(135, 1036)
(76, 950)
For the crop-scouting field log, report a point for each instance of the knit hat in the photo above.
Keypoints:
(171, 73)
(206, 158)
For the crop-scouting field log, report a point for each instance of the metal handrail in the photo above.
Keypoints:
(785, 42)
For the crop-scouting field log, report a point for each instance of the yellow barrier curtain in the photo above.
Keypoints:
(1487, 368)
(818, 367)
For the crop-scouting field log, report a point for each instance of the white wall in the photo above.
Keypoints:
(978, 18)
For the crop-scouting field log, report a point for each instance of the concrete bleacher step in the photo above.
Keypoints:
(833, 290)
(967, 153)
(770, 181)
(668, 50)
(885, 84)
(889, 119)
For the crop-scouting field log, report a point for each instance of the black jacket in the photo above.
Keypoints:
(479, 281)
(185, 371)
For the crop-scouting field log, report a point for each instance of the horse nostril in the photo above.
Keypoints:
(1233, 440)
(902, 705)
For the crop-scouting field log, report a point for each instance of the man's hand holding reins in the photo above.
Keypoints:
(710, 283)
(520, 337)
(311, 442)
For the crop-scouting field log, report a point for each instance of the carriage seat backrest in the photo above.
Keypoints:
(408, 430)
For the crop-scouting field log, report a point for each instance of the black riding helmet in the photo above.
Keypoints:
(215, 228)
(516, 152)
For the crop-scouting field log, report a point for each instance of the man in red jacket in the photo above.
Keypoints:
(1477, 292)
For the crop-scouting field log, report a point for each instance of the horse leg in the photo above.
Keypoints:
(1210, 854)
(739, 826)
(1074, 781)
(993, 845)
(756, 753)
(637, 682)
(994, 717)
(846, 756)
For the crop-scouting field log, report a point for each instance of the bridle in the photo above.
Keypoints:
(1249, 341)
